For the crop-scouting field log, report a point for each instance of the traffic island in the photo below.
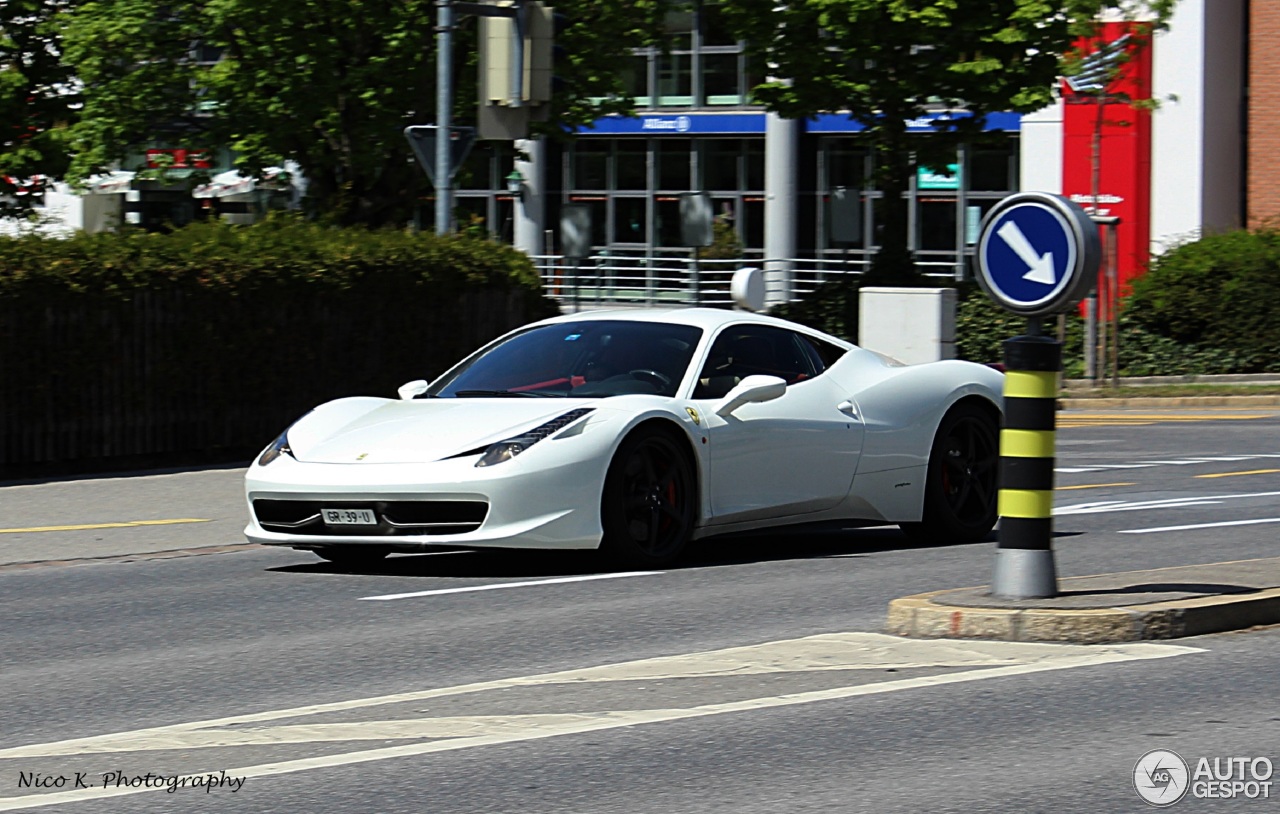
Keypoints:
(1164, 603)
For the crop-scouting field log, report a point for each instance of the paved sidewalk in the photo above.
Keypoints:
(1164, 603)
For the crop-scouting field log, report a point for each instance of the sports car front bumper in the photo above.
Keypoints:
(530, 503)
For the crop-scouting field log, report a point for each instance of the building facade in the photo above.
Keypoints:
(1189, 157)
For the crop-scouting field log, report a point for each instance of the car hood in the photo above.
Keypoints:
(385, 431)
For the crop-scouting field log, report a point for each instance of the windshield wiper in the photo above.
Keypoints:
(463, 394)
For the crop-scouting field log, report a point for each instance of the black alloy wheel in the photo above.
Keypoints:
(961, 487)
(648, 502)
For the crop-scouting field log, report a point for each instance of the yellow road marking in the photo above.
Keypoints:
(1233, 474)
(1094, 486)
(1162, 417)
(124, 525)
(1069, 423)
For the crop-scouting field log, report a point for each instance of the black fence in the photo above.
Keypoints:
(180, 375)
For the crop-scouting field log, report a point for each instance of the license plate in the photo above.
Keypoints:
(350, 517)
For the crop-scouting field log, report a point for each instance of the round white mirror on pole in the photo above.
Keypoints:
(747, 289)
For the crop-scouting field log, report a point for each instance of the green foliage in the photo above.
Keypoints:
(215, 337)
(886, 62)
(831, 307)
(282, 252)
(328, 84)
(725, 245)
(1221, 292)
(981, 327)
(36, 99)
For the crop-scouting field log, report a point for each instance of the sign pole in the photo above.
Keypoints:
(444, 104)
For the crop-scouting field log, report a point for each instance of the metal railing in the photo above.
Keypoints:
(639, 279)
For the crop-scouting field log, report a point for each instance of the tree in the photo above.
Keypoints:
(886, 62)
(329, 84)
(37, 99)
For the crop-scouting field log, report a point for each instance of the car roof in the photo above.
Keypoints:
(709, 319)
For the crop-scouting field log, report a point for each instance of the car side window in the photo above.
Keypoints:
(822, 354)
(750, 350)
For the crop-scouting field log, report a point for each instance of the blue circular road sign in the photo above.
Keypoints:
(1038, 253)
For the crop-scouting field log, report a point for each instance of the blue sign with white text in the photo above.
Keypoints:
(677, 125)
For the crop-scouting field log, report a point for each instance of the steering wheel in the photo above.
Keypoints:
(652, 377)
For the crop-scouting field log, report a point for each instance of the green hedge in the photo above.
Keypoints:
(981, 326)
(1221, 295)
(283, 252)
(1155, 340)
(215, 337)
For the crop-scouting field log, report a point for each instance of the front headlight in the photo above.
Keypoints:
(511, 447)
(278, 447)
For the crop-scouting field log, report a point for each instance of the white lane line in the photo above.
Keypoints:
(501, 585)
(1204, 525)
(1148, 464)
(1170, 503)
(1043, 659)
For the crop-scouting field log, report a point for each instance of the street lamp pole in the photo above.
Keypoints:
(444, 103)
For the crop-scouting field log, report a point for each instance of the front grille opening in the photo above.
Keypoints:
(395, 517)
(430, 512)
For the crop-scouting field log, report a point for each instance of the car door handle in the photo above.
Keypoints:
(847, 408)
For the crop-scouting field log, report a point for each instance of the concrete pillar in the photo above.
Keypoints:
(530, 207)
(781, 157)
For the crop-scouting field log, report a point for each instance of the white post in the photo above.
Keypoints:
(530, 208)
(781, 147)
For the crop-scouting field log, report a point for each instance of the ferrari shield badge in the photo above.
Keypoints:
(697, 419)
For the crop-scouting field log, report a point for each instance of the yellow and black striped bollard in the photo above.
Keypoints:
(1024, 558)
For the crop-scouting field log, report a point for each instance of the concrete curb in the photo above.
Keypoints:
(920, 617)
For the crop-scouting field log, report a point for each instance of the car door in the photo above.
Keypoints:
(794, 455)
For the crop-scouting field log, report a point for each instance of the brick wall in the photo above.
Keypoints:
(1264, 111)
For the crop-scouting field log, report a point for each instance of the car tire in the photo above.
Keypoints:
(961, 488)
(648, 506)
(353, 555)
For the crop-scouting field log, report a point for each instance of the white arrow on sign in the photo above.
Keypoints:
(1041, 266)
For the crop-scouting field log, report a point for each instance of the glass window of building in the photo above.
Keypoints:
(472, 215)
(475, 171)
(631, 167)
(630, 220)
(712, 26)
(725, 210)
(635, 78)
(991, 170)
(590, 164)
(599, 208)
(755, 164)
(753, 222)
(936, 224)
(675, 79)
(722, 79)
(674, 163)
(721, 162)
(846, 165)
(666, 213)
(675, 64)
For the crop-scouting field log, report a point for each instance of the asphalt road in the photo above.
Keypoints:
(753, 678)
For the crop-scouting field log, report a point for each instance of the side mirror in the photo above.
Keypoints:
(413, 389)
(751, 390)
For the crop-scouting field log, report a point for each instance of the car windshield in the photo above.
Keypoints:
(587, 359)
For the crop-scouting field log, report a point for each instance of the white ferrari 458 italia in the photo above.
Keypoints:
(636, 432)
